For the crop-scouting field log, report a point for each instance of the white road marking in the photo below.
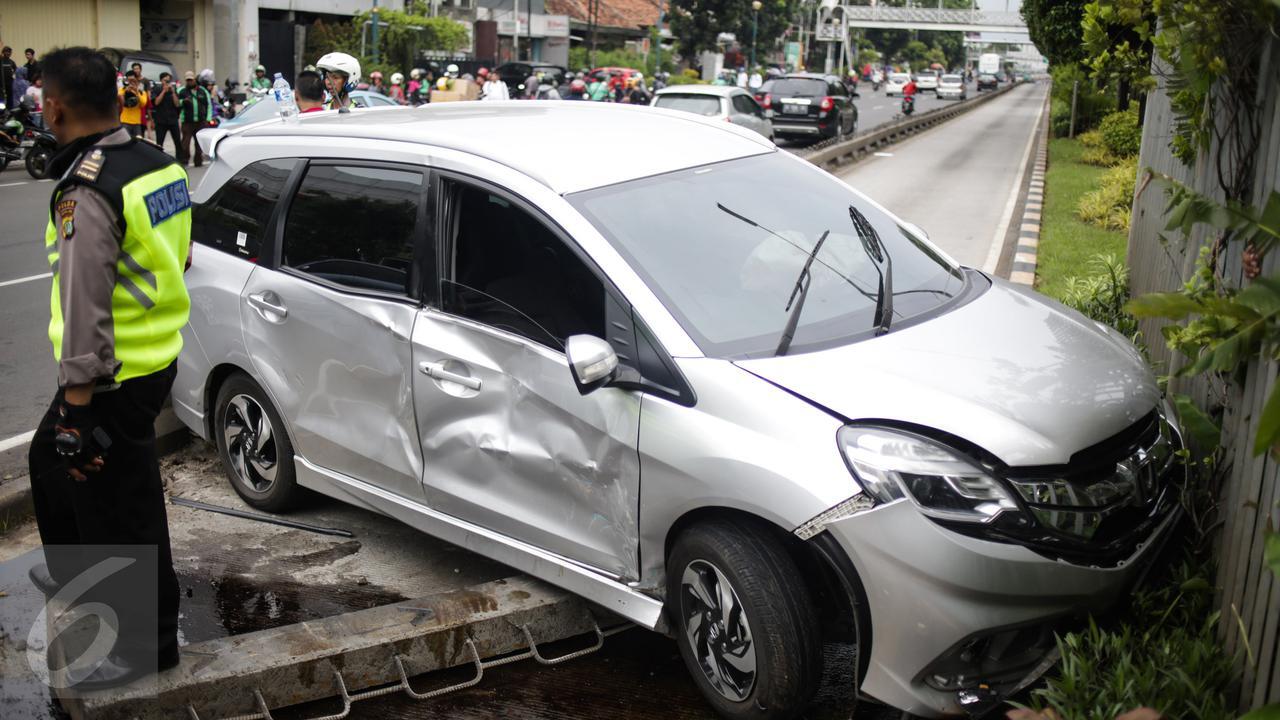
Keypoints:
(16, 441)
(877, 107)
(46, 180)
(26, 279)
(24, 182)
(997, 242)
(883, 154)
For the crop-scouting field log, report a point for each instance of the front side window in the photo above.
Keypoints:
(508, 270)
(728, 248)
(355, 226)
(235, 219)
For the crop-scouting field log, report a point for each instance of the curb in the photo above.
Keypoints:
(1023, 271)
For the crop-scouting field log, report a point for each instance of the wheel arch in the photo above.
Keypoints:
(828, 573)
(217, 377)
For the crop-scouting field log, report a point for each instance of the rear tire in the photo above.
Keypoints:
(37, 162)
(254, 446)
(745, 621)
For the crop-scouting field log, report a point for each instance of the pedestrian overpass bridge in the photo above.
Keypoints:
(901, 18)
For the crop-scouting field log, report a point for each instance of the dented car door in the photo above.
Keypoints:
(508, 442)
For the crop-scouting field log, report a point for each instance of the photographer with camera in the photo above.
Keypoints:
(133, 104)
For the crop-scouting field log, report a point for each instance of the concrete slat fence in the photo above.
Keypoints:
(1248, 592)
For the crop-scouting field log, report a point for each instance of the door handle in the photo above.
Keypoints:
(437, 371)
(260, 302)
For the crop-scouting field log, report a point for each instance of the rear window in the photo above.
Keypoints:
(899, 77)
(697, 104)
(800, 87)
(951, 78)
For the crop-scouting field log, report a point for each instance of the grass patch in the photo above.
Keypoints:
(1067, 243)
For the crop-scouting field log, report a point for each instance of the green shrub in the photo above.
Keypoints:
(1120, 133)
(1110, 206)
(1091, 139)
(1102, 294)
(685, 79)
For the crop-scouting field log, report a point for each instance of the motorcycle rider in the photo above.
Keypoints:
(396, 92)
(375, 83)
(341, 73)
(577, 90)
(260, 84)
(909, 96)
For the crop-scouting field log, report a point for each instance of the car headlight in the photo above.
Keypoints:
(890, 465)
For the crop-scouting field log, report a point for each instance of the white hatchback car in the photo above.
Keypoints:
(707, 386)
(720, 102)
(895, 83)
(952, 86)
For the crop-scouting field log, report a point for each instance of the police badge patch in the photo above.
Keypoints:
(66, 218)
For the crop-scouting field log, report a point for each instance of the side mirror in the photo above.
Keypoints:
(592, 362)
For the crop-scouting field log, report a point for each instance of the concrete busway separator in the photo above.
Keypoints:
(839, 154)
(355, 656)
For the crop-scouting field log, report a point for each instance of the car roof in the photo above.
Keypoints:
(531, 137)
(691, 89)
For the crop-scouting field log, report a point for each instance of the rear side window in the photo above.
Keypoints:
(697, 104)
(355, 226)
(800, 87)
(235, 219)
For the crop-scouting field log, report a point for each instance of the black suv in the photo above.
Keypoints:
(987, 81)
(811, 105)
(515, 73)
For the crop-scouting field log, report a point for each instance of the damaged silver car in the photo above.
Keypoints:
(709, 387)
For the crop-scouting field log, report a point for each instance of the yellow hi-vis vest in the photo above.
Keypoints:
(149, 305)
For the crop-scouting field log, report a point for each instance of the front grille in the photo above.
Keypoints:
(1102, 504)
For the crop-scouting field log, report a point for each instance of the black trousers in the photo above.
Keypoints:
(164, 130)
(123, 504)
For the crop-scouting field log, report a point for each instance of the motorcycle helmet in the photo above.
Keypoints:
(260, 68)
(578, 87)
(375, 75)
(452, 70)
(397, 79)
(414, 74)
(205, 77)
(340, 62)
(482, 73)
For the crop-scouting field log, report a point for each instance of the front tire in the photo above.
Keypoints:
(255, 449)
(745, 621)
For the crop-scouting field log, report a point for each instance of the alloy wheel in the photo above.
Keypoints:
(250, 443)
(717, 630)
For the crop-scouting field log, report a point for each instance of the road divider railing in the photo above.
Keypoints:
(837, 154)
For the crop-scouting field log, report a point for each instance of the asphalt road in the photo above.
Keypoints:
(955, 181)
(875, 109)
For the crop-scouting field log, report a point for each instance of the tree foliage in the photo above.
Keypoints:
(1055, 28)
(1117, 42)
(404, 35)
(697, 23)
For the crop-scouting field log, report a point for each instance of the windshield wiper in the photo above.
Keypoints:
(879, 255)
(795, 303)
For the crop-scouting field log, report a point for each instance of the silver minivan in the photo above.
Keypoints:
(707, 386)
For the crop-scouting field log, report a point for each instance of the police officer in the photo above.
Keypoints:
(341, 74)
(118, 240)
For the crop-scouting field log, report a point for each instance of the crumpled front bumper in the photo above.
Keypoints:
(931, 590)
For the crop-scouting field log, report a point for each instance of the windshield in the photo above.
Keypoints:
(722, 247)
(802, 87)
(698, 104)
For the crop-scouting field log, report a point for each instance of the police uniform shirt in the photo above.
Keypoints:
(89, 237)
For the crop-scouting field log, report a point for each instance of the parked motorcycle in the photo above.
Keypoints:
(908, 104)
(11, 132)
(43, 147)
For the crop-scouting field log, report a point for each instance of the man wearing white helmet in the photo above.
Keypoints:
(260, 80)
(341, 73)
